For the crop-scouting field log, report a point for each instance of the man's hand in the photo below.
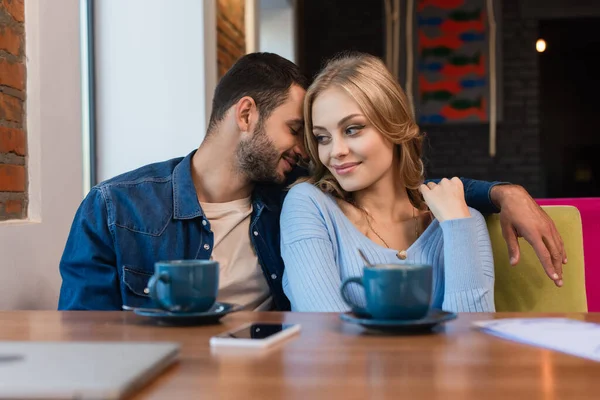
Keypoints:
(521, 216)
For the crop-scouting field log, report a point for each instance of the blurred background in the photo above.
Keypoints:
(547, 95)
(539, 56)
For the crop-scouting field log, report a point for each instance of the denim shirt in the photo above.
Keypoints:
(126, 224)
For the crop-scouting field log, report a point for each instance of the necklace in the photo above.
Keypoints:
(402, 254)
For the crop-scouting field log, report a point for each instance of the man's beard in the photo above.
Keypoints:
(258, 159)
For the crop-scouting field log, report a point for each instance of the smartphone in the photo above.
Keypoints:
(255, 335)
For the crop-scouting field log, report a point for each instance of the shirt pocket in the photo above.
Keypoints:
(135, 287)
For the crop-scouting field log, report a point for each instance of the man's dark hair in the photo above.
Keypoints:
(266, 77)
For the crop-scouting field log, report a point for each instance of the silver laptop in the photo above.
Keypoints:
(80, 370)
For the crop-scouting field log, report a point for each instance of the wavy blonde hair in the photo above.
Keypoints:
(385, 105)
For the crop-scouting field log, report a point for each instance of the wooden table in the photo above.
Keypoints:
(331, 359)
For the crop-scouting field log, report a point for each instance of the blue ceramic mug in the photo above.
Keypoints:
(185, 285)
(393, 291)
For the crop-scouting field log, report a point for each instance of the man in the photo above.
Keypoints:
(223, 201)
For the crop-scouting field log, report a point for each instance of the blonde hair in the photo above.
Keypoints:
(385, 105)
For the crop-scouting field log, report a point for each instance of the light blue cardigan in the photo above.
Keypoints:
(319, 248)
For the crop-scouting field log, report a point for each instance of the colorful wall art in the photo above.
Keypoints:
(452, 61)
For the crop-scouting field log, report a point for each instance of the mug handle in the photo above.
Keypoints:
(355, 308)
(152, 287)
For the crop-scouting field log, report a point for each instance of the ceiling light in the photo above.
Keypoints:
(540, 45)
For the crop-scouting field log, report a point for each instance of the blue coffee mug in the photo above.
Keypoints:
(393, 291)
(185, 285)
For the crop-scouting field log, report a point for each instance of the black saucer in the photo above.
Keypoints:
(431, 320)
(212, 316)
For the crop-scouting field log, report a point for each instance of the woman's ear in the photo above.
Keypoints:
(245, 113)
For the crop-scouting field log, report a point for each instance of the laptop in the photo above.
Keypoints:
(80, 370)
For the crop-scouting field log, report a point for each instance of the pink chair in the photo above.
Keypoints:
(589, 208)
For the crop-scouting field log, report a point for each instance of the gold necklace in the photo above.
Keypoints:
(402, 254)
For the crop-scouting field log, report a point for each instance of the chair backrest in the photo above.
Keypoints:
(589, 208)
(525, 287)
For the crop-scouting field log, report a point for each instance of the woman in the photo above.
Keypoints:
(366, 192)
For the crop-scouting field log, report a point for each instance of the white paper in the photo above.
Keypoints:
(569, 336)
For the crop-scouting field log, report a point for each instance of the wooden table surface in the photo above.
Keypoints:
(332, 359)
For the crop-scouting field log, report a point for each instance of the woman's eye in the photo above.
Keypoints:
(354, 129)
(322, 139)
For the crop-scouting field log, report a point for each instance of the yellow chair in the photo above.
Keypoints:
(526, 287)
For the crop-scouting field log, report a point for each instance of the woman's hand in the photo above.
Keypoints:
(446, 200)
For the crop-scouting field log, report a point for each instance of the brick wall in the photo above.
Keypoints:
(327, 28)
(231, 37)
(13, 149)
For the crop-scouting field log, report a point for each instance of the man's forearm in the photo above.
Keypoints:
(501, 193)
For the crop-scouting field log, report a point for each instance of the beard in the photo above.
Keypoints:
(258, 159)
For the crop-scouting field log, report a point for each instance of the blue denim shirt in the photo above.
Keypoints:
(128, 223)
